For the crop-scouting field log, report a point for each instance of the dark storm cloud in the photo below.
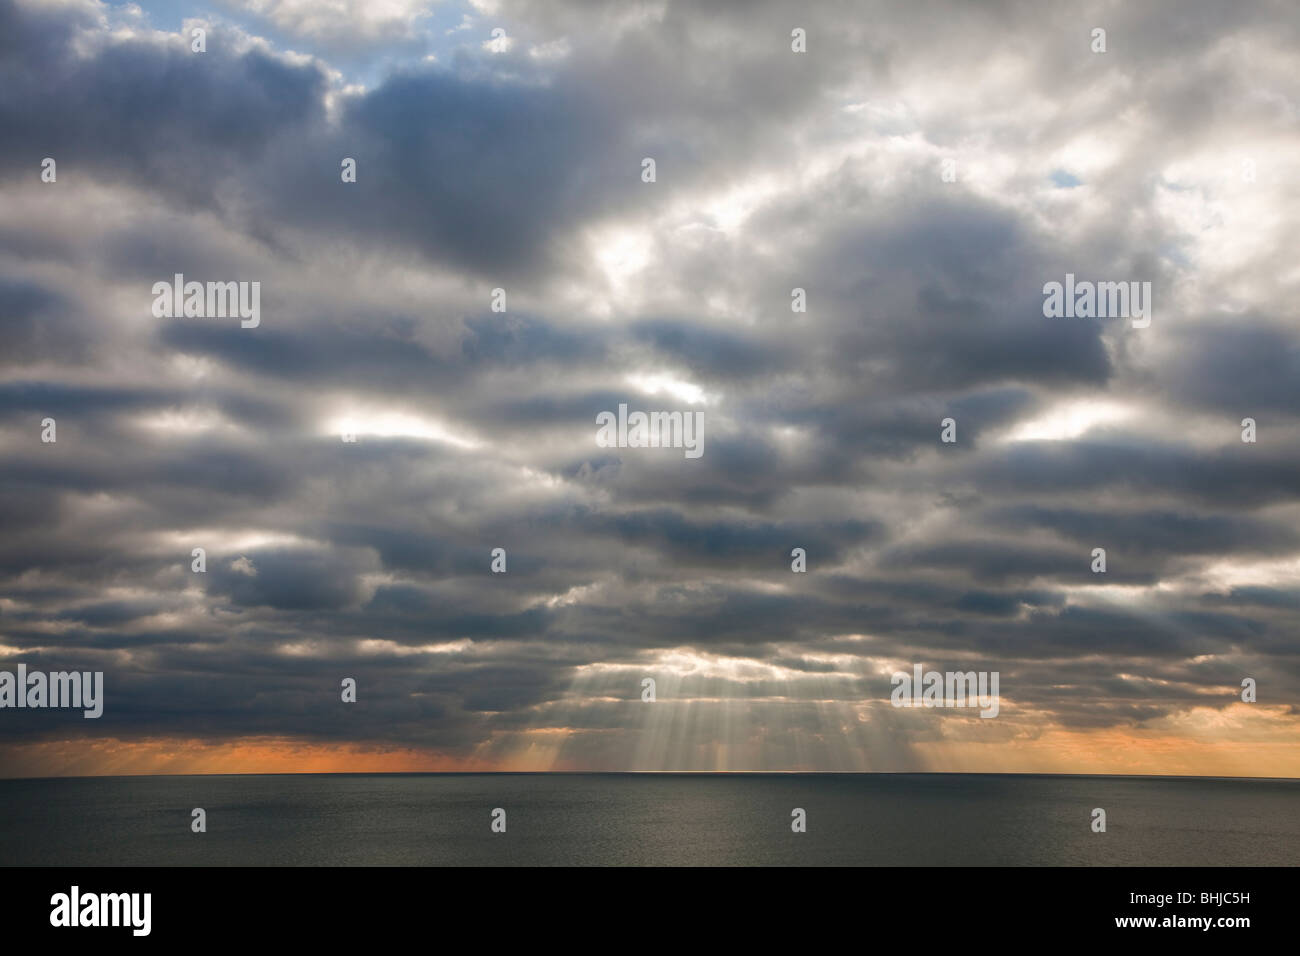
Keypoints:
(716, 354)
(1154, 532)
(1249, 364)
(1235, 476)
(290, 580)
(149, 113)
(476, 429)
(734, 544)
(36, 324)
(474, 174)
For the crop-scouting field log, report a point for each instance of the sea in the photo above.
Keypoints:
(649, 819)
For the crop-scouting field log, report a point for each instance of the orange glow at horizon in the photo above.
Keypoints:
(1055, 750)
(105, 757)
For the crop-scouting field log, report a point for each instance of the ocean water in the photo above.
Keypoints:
(649, 819)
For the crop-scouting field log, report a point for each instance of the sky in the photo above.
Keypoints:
(921, 171)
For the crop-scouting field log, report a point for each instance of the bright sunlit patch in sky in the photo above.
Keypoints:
(621, 253)
(1069, 420)
(396, 425)
(663, 383)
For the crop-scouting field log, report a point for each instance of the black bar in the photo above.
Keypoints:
(655, 907)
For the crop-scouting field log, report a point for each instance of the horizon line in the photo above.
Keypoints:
(715, 773)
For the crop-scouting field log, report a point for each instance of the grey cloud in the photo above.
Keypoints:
(776, 170)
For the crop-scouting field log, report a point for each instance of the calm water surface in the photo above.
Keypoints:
(656, 819)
